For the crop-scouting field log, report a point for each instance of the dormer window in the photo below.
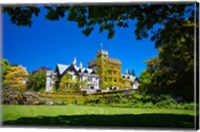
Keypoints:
(86, 71)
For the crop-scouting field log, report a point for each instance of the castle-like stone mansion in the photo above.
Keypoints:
(102, 73)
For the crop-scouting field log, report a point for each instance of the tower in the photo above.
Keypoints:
(108, 69)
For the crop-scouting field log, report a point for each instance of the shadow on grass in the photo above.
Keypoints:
(129, 120)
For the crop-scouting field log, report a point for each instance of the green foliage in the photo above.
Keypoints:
(37, 80)
(67, 85)
(135, 96)
(16, 78)
(105, 67)
(22, 16)
(174, 76)
(5, 66)
(145, 81)
(110, 17)
(189, 106)
(84, 84)
(66, 91)
(76, 88)
(99, 90)
(66, 82)
(134, 100)
(167, 103)
(64, 98)
(21, 98)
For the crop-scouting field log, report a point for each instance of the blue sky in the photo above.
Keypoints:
(48, 43)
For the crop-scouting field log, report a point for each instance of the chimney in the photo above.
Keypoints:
(81, 65)
(127, 72)
(74, 61)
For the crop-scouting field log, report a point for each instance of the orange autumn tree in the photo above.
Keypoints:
(16, 78)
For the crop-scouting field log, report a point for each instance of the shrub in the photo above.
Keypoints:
(138, 105)
(148, 105)
(134, 98)
(42, 90)
(84, 93)
(124, 101)
(66, 91)
(189, 106)
(111, 99)
(21, 98)
(12, 96)
(76, 89)
(99, 91)
(166, 102)
(119, 105)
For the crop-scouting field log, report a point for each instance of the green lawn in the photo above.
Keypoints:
(71, 115)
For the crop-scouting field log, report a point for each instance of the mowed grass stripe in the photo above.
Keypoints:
(16, 111)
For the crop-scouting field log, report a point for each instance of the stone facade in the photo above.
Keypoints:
(50, 80)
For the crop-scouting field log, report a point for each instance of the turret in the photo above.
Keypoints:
(74, 61)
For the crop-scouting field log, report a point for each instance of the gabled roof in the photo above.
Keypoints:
(77, 68)
(131, 77)
(62, 68)
(89, 70)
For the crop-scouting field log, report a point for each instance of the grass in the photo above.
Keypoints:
(71, 115)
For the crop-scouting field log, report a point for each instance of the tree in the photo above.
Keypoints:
(170, 26)
(108, 17)
(173, 69)
(37, 80)
(5, 66)
(145, 81)
(16, 78)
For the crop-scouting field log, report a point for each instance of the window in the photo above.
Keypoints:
(89, 79)
(71, 85)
